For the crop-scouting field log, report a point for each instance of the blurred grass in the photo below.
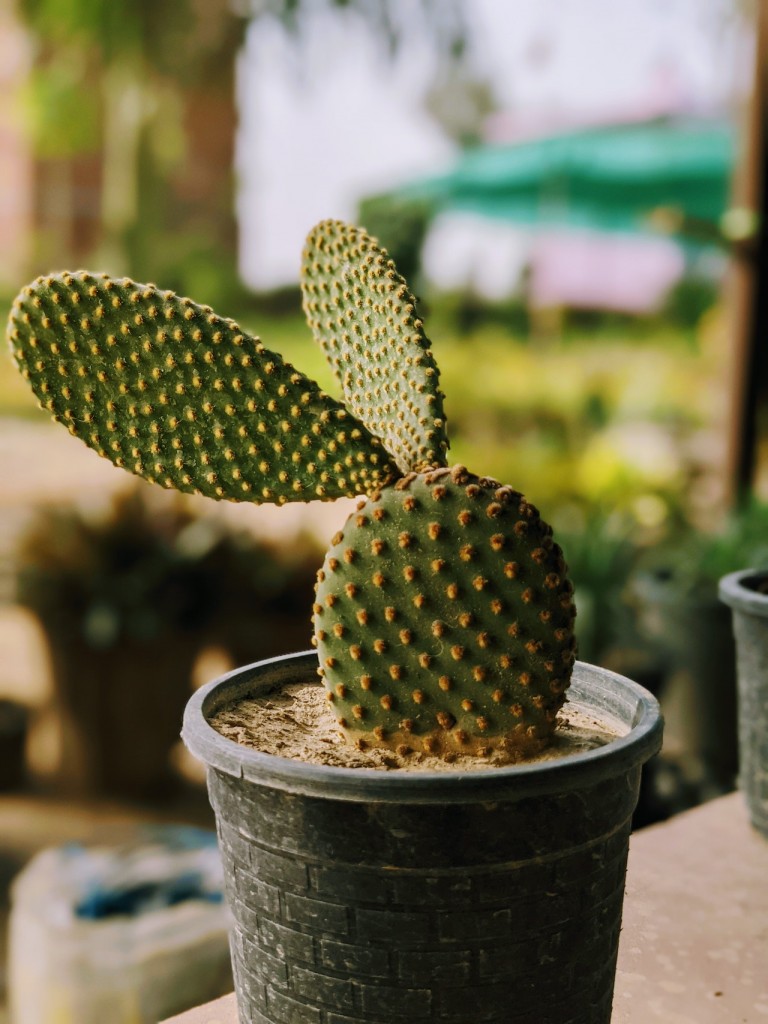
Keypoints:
(593, 418)
(15, 397)
(588, 418)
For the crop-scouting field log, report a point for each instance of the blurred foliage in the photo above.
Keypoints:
(602, 551)
(401, 227)
(390, 20)
(587, 421)
(132, 83)
(130, 574)
(465, 312)
(16, 398)
(131, 598)
(186, 264)
(689, 299)
(181, 39)
(691, 560)
(62, 115)
(148, 568)
(461, 103)
(684, 306)
(122, 81)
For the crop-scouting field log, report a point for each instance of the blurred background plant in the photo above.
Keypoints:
(116, 99)
(401, 225)
(128, 600)
(130, 110)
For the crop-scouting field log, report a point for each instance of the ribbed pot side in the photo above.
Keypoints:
(749, 609)
(366, 897)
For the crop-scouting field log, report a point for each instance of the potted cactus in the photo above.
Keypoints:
(443, 626)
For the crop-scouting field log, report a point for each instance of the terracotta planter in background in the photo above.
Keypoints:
(119, 711)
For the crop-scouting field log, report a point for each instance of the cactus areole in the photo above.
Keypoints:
(443, 615)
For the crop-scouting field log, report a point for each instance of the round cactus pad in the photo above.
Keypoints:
(443, 618)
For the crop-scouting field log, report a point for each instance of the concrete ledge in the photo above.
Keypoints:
(222, 1011)
(694, 945)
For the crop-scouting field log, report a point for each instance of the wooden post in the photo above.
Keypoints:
(748, 284)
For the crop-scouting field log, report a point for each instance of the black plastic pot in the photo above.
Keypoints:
(370, 897)
(746, 592)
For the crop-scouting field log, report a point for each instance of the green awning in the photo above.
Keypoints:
(608, 178)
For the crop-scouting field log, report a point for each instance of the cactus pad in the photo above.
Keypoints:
(165, 388)
(443, 618)
(363, 316)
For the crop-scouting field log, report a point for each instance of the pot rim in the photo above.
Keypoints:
(734, 591)
(594, 688)
(597, 689)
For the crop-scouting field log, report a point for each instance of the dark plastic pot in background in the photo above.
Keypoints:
(746, 592)
(691, 631)
(373, 897)
(13, 736)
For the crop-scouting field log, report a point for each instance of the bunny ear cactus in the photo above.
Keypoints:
(443, 614)
(165, 388)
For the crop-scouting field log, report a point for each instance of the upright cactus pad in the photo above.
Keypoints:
(364, 318)
(444, 618)
(165, 388)
(443, 615)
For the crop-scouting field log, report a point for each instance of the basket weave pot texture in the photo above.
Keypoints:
(370, 897)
